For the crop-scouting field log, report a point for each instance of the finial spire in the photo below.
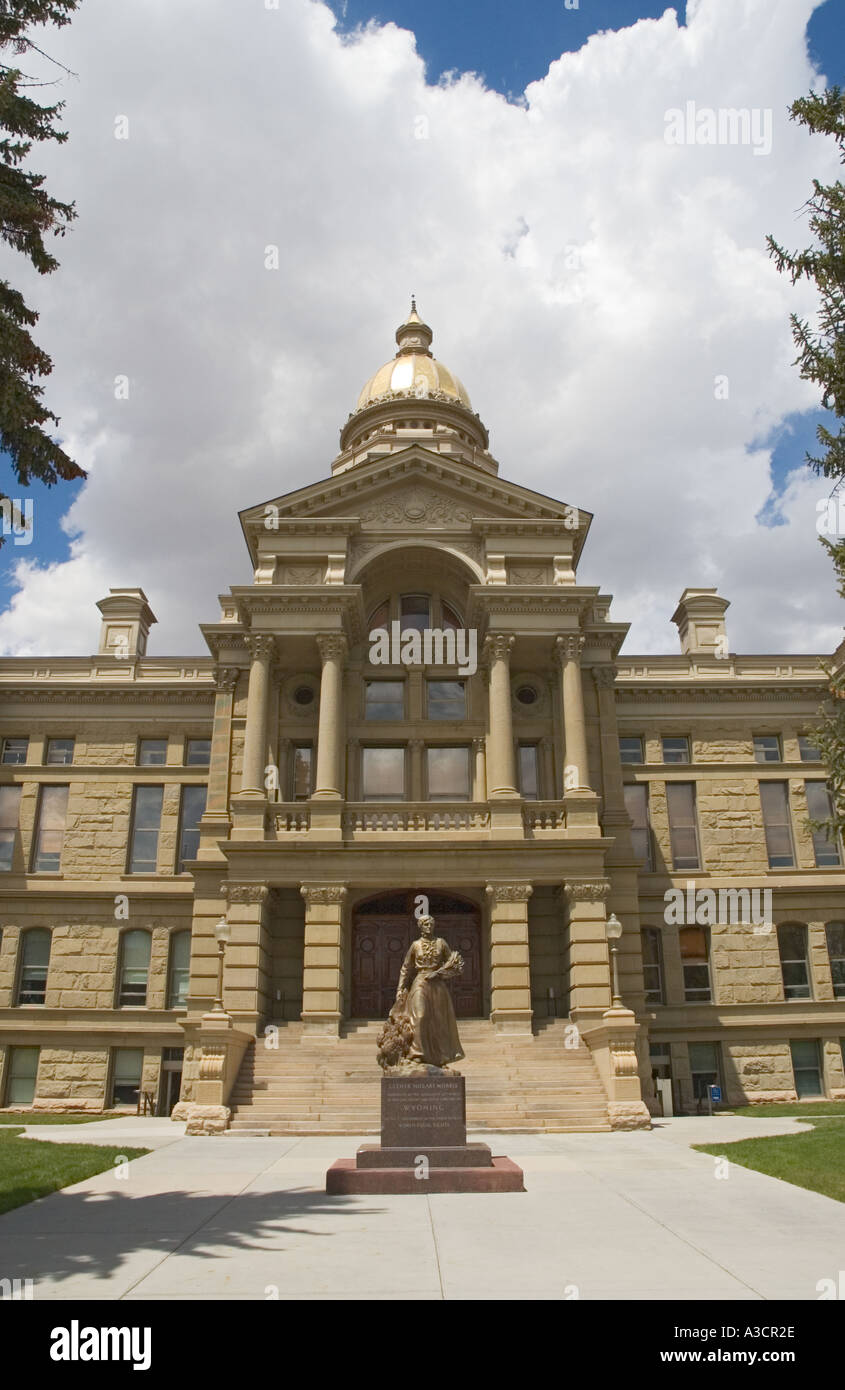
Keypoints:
(414, 336)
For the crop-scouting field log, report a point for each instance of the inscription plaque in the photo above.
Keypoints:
(423, 1111)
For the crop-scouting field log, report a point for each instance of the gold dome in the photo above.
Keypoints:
(413, 371)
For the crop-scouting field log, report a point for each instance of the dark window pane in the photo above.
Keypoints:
(415, 610)
(631, 749)
(198, 752)
(22, 1075)
(384, 700)
(807, 750)
(152, 752)
(676, 750)
(134, 967)
(806, 1067)
(301, 778)
(380, 617)
(636, 804)
(35, 963)
(652, 965)
(792, 945)
(836, 950)
(446, 699)
(820, 807)
(451, 619)
(15, 750)
(179, 970)
(10, 800)
(126, 1083)
(767, 748)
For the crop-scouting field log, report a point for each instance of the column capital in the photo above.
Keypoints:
(332, 646)
(508, 892)
(415, 744)
(569, 646)
(260, 645)
(323, 893)
(604, 676)
(586, 890)
(498, 646)
(245, 892)
(226, 677)
(479, 744)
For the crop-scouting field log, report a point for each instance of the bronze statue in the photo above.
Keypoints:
(422, 1030)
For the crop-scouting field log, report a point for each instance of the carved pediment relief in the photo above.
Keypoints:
(420, 505)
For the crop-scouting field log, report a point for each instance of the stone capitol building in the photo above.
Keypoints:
(211, 866)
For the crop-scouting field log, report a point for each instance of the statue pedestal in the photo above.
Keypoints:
(423, 1145)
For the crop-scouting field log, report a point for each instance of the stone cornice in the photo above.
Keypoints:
(99, 695)
(701, 693)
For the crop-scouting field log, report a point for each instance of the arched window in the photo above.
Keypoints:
(380, 616)
(178, 971)
(134, 968)
(836, 951)
(792, 945)
(35, 962)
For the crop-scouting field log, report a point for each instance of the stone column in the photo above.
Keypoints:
(416, 746)
(576, 768)
(501, 763)
(588, 957)
(215, 822)
(479, 783)
(255, 739)
(330, 761)
(322, 973)
(510, 975)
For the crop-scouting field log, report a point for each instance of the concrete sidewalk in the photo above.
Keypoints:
(618, 1216)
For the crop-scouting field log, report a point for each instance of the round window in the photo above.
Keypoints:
(304, 695)
(526, 695)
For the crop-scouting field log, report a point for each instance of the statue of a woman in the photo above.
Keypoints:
(422, 1028)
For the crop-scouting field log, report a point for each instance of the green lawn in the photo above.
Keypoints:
(796, 1108)
(30, 1168)
(41, 1117)
(814, 1159)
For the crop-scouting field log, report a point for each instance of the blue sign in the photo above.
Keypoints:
(716, 1093)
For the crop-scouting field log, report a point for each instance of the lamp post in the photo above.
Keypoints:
(222, 932)
(614, 932)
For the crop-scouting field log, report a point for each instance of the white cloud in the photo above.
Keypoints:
(587, 280)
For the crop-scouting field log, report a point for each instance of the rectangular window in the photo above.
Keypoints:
(15, 750)
(152, 752)
(835, 932)
(384, 700)
(146, 822)
(48, 839)
(792, 946)
(59, 751)
(704, 1068)
(134, 968)
(774, 799)
(652, 947)
(126, 1075)
(683, 825)
(676, 749)
(415, 610)
(448, 774)
(807, 750)
(301, 771)
(190, 811)
(636, 804)
(695, 961)
(179, 970)
(820, 807)
(23, 1072)
(529, 771)
(197, 752)
(446, 699)
(10, 802)
(35, 963)
(383, 774)
(631, 749)
(806, 1068)
(767, 748)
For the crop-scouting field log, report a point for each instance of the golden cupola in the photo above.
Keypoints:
(413, 397)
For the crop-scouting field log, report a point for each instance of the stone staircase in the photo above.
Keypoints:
(521, 1084)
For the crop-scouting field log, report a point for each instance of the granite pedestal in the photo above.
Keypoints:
(423, 1145)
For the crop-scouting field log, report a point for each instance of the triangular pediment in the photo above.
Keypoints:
(416, 487)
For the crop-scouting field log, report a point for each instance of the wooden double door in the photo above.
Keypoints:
(383, 929)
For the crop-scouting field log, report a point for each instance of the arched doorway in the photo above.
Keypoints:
(383, 928)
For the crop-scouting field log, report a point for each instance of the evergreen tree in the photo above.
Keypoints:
(27, 216)
(821, 358)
